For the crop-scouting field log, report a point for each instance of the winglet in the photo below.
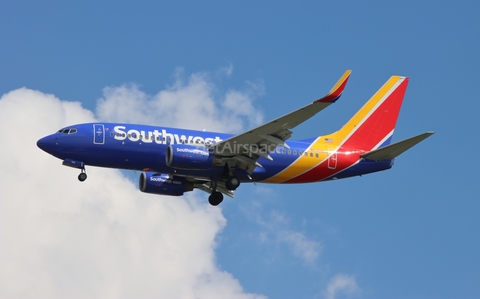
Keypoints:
(337, 89)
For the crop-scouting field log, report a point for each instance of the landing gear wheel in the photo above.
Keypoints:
(232, 183)
(215, 198)
(82, 176)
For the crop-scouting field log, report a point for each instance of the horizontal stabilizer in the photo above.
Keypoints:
(396, 149)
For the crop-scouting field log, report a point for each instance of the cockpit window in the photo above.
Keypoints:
(67, 131)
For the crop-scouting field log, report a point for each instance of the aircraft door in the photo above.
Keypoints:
(98, 134)
(332, 160)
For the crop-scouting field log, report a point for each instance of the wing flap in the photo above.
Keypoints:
(220, 187)
(396, 149)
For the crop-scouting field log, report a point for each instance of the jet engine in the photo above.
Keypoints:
(156, 183)
(183, 156)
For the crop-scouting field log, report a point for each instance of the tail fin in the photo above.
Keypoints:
(373, 125)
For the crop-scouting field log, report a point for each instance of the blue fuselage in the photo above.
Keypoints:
(143, 148)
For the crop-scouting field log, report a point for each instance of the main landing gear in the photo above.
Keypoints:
(215, 198)
(232, 182)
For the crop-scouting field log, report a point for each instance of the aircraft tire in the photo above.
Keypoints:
(232, 183)
(215, 198)
(82, 176)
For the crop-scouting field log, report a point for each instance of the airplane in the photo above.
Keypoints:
(174, 161)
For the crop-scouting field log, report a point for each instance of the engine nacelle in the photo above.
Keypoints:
(183, 156)
(155, 183)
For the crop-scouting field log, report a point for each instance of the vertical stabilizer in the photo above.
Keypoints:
(373, 125)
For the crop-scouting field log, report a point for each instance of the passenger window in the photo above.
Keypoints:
(316, 155)
(311, 154)
(295, 152)
(111, 134)
(283, 151)
(289, 152)
(305, 154)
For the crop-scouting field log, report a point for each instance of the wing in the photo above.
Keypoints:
(244, 149)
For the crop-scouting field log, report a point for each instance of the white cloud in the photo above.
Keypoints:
(60, 238)
(300, 245)
(238, 104)
(194, 104)
(226, 70)
(276, 228)
(341, 284)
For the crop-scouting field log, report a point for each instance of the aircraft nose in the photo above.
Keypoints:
(45, 143)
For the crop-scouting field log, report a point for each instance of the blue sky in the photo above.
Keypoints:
(410, 232)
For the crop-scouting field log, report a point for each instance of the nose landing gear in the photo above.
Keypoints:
(82, 176)
(79, 165)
